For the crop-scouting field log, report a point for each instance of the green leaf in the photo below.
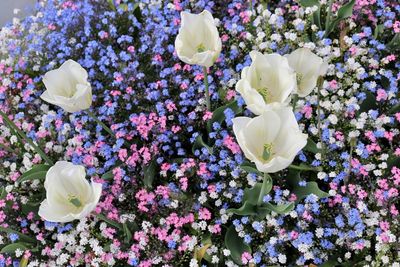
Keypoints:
(137, 12)
(253, 198)
(392, 161)
(304, 167)
(311, 146)
(111, 4)
(149, 173)
(265, 189)
(3, 193)
(245, 210)
(394, 109)
(330, 263)
(236, 245)
(31, 207)
(250, 168)
(309, 3)
(280, 209)
(316, 17)
(394, 43)
(346, 11)
(123, 7)
(22, 236)
(127, 233)
(37, 172)
(219, 116)
(310, 188)
(110, 222)
(108, 175)
(11, 248)
(199, 143)
(378, 30)
(252, 195)
(199, 253)
(293, 178)
(368, 103)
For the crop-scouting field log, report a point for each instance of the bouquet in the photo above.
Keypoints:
(201, 133)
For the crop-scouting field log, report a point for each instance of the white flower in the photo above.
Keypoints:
(69, 196)
(67, 87)
(269, 79)
(198, 41)
(271, 140)
(308, 67)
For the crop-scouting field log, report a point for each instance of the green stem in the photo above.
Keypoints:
(6, 148)
(304, 168)
(110, 222)
(320, 83)
(105, 127)
(28, 140)
(353, 142)
(329, 16)
(207, 92)
(265, 183)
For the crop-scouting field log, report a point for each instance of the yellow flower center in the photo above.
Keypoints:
(267, 153)
(75, 201)
(264, 92)
(201, 48)
(299, 77)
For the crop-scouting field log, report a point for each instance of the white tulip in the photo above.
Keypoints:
(69, 196)
(308, 67)
(268, 79)
(198, 41)
(271, 140)
(68, 87)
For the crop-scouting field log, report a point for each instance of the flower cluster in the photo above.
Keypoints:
(201, 133)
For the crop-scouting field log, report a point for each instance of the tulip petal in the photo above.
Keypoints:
(52, 214)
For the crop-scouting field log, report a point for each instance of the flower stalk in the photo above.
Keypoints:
(319, 87)
(105, 127)
(207, 90)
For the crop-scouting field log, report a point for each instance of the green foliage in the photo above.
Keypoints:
(368, 103)
(247, 209)
(199, 143)
(250, 168)
(344, 12)
(310, 188)
(394, 44)
(378, 30)
(149, 173)
(37, 172)
(11, 248)
(280, 209)
(110, 222)
(311, 146)
(21, 236)
(293, 178)
(219, 116)
(236, 245)
(309, 3)
(330, 24)
(253, 204)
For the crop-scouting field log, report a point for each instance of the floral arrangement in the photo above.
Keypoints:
(201, 133)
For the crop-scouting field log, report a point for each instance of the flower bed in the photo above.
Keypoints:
(254, 133)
